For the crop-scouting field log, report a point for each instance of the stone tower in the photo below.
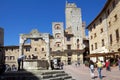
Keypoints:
(58, 34)
(74, 23)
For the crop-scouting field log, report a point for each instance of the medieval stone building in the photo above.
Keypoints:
(104, 30)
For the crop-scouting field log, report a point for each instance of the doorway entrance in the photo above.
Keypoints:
(69, 60)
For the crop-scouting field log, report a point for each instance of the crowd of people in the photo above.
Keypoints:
(100, 65)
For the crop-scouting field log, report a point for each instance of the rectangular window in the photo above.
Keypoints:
(110, 38)
(101, 30)
(109, 24)
(103, 44)
(100, 20)
(6, 49)
(117, 35)
(95, 35)
(68, 38)
(68, 46)
(95, 45)
(77, 40)
(91, 47)
(12, 57)
(50, 49)
(90, 29)
(91, 37)
(28, 49)
(35, 49)
(115, 17)
(12, 49)
(42, 49)
(7, 58)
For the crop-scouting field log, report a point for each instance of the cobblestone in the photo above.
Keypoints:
(83, 73)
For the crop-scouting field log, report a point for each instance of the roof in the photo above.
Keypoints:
(14, 46)
(104, 8)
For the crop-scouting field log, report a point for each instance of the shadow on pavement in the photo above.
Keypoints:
(19, 75)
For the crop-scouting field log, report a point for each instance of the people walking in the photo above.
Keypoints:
(99, 68)
(19, 63)
(78, 62)
(119, 63)
(107, 65)
(91, 66)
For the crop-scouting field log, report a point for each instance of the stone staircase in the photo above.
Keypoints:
(36, 75)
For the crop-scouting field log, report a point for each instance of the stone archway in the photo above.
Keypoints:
(33, 35)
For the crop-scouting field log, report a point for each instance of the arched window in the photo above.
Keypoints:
(57, 26)
(57, 35)
(58, 44)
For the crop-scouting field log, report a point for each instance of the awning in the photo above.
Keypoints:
(103, 54)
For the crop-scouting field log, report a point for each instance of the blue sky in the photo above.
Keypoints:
(21, 16)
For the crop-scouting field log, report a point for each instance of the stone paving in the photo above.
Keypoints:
(83, 73)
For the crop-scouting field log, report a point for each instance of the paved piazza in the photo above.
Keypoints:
(82, 73)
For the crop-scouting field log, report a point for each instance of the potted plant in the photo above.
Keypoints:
(113, 63)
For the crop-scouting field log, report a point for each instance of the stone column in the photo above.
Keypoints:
(22, 40)
(48, 51)
(21, 45)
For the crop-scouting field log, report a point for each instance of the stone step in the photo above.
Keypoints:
(60, 78)
(54, 75)
(52, 72)
(46, 72)
(69, 79)
(36, 75)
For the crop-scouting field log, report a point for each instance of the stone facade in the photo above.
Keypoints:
(66, 45)
(1, 47)
(2, 54)
(104, 30)
(1, 36)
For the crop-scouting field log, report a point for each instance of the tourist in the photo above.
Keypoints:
(19, 60)
(91, 66)
(19, 63)
(78, 62)
(99, 68)
(52, 65)
(119, 63)
(13, 68)
(107, 65)
(61, 65)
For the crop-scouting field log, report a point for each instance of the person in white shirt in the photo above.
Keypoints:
(91, 66)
